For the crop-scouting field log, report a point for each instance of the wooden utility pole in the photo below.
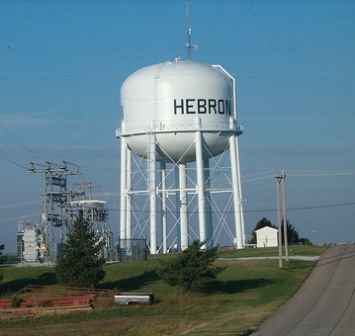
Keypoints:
(278, 181)
(284, 213)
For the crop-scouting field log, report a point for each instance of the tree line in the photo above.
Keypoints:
(293, 236)
(80, 263)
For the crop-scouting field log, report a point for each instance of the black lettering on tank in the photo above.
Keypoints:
(201, 106)
(221, 106)
(181, 106)
(190, 106)
(212, 106)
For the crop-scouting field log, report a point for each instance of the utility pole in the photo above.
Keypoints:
(284, 213)
(278, 181)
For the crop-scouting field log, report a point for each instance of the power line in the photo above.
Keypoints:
(257, 178)
(283, 74)
(20, 217)
(305, 207)
(7, 158)
(239, 99)
(315, 174)
(20, 143)
(57, 98)
(296, 98)
(273, 210)
(19, 204)
(94, 74)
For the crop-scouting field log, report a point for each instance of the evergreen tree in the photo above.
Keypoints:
(191, 269)
(292, 235)
(80, 264)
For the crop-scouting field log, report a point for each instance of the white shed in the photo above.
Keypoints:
(266, 237)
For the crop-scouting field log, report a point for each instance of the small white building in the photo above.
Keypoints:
(31, 248)
(266, 237)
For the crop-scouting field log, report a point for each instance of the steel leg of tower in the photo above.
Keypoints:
(236, 195)
(128, 196)
(240, 191)
(123, 199)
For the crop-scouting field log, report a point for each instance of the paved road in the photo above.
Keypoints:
(325, 303)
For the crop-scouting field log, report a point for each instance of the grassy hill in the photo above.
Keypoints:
(246, 293)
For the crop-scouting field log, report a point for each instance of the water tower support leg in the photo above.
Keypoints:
(163, 206)
(128, 196)
(207, 190)
(240, 191)
(152, 193)
(236, 196)
(200, 187)
(183, 208)
(123, 195)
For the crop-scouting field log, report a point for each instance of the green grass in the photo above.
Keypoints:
(294, 250)
(245, 294)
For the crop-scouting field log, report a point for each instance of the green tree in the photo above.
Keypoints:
(80, 264)
(191, 269)
(259, 225)
(292, 235)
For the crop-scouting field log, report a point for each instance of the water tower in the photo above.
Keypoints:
(174, 114)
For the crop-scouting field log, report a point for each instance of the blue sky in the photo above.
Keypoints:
(62, 64)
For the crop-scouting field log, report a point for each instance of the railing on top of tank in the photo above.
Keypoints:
(161, 127)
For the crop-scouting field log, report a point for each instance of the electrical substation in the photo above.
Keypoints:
(62, 206)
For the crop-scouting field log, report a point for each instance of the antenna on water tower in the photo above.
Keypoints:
(188, 44)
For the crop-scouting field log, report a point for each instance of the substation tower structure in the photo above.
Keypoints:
(56, 197)
(176, 117)
(95, 213)
(62, 207)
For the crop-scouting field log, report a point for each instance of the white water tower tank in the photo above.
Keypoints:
(176, 113)
(172, 99)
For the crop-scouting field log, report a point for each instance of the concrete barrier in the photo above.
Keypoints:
(134, 299)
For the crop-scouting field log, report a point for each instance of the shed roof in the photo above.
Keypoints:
(267, 228)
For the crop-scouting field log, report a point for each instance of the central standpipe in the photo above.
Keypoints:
(177, 207)
(184, 231)
(208, 207)
(200, 184)
(164, 207)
